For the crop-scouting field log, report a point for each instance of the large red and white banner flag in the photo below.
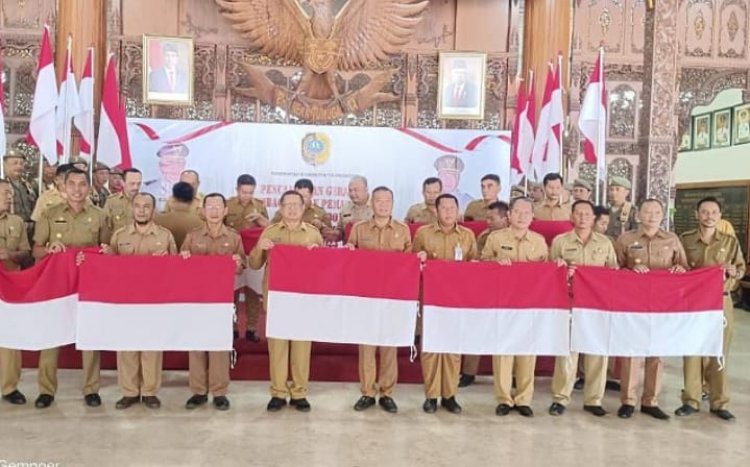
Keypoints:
(658, 314)
(42, 124)
(592, 121)
(112, 146)
(342, 296)
(487, 309)
(84, 120)
(155, 303)
(68, 105)
(548, 143)
(38, 305)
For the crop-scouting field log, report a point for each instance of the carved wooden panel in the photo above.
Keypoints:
(438, 27)
(697, 19)
(26, 14)
(733, 29)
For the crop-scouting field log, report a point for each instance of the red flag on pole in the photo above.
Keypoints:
(42, 125)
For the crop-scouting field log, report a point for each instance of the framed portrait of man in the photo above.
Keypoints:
(722, 131)
(741, 120)
(686, 140)
(167, 70)
(702, 132)
(461, 79)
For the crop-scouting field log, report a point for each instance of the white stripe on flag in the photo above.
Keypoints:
(174, 326)
(341, 319)
(496, 331)
(38, 325)
(640, 334)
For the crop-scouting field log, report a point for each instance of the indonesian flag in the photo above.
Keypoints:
(42, 124)
(527, 123)
(515, 160)
(657, 314)
(487, 309)
(341, 296)
(593, 119)
(38, 305)
(68, 106)
(548, 142)
(156, 303)
(112, 147)
(3, 137)
(84, 120)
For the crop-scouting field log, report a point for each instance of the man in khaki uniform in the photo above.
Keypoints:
(552, 207)
(647, 248)
(581, 247)
(245, 211)
(536, 192)
(357, 208)
(119, 207)
(425, 213)
(14, 249)
(515, 244)
(115, 183)
(383, 233)
(181, 219)
(581, 190)
(312, 214)
(707, 246)
(24, 194)
(516, 191)
(479, 209)
(73, 224)
(291, 230)
(209, 371)
(54, 195)
(139, 373)
(497, 220)
(623, 215)
(100, 192)
(192, 178)
(445, 240)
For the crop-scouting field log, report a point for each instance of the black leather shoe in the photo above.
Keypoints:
(451, 405)
(625, 411)
(364, 403)
(44, 401)
(502, 410)
(221, 403)
(655, 412)
(195, 401)
(723, 414)
(250, 335)
(611, 385)
(578, 385)
(705, 396)
(300, 404)
(388, 404)
(684, 410)
(595, 410)
(466, 380)
(93, 400)
(556, 409)
(126, 402)
(430, 406)
(525, 410)
(275, 404)
(151, 402)
(15, 398)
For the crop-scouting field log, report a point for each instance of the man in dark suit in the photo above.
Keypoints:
(461, 92)
(171, 77)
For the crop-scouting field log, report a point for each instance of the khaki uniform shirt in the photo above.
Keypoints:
(394, 236)
(48, 199)
(440, 245)
(557, 212)
(237, 213)
(196, 205)
(477, 210)
(662, 251)
(181, 220)
(722, 250)
(154, 240)
(60, 223)
(622, 219)
(420, 214)
(119, 209)
(598, 251)
(503, 244)
(352, 213)
(310, 215)
(13, 238)
(227, 243)
(24, 198)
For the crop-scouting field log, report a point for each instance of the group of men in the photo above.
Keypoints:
(194, 224)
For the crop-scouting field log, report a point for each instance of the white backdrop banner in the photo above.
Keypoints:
(277, 155)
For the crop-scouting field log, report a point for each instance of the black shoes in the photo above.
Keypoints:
(578, 385)
(195, 401)
(466, 380)
(300, 404)
(92, 400)
(221, 403)
(595, 410)
(723, 414)
(612, 385)
(655, 412)
(450, 405)
(44, 401)
(126, 402)
(364, 403)
(525, 410)
(502, 410)
(388, 404)
(15, 398)
(430, 406)
(151, 402)
(252, 337)
(275, 404)
(625, 411)
(685, 410)
(556, 409)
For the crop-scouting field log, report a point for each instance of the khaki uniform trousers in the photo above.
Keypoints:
(504, 368)
(595, 374)
(470, 364)
(368, 371)
(630, 376)
(10, 370)
(48, 371)
(715, 374)
(440, 372)
(251, 306)
(281, 355)
(139, 373)
(209, 371)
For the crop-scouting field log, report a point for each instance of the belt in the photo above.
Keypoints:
(726, 294)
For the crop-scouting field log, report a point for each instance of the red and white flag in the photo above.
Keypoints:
(68, 105)
(112, 146)
(42, 124)
(647, 315)
(155, 303)
(516, 169)
(548, 143)
(527, 123)
(3, 137)
(84, 120)
(341, 296)
(38, 305)
(593, 119)
(487, 309)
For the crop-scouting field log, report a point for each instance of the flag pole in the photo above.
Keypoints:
(530, 87)
(563, 172)
(92, 146)
(601, 158)
(2, 107)
(68, 125)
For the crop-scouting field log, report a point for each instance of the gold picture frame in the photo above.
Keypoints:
(702, 132)
(686, 140)
(167, 70)
(461, 90)
(721, 131)
(741, 124)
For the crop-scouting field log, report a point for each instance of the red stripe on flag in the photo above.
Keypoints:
(426, 140)
(329, 271)
(150, 132)
(53, 277)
